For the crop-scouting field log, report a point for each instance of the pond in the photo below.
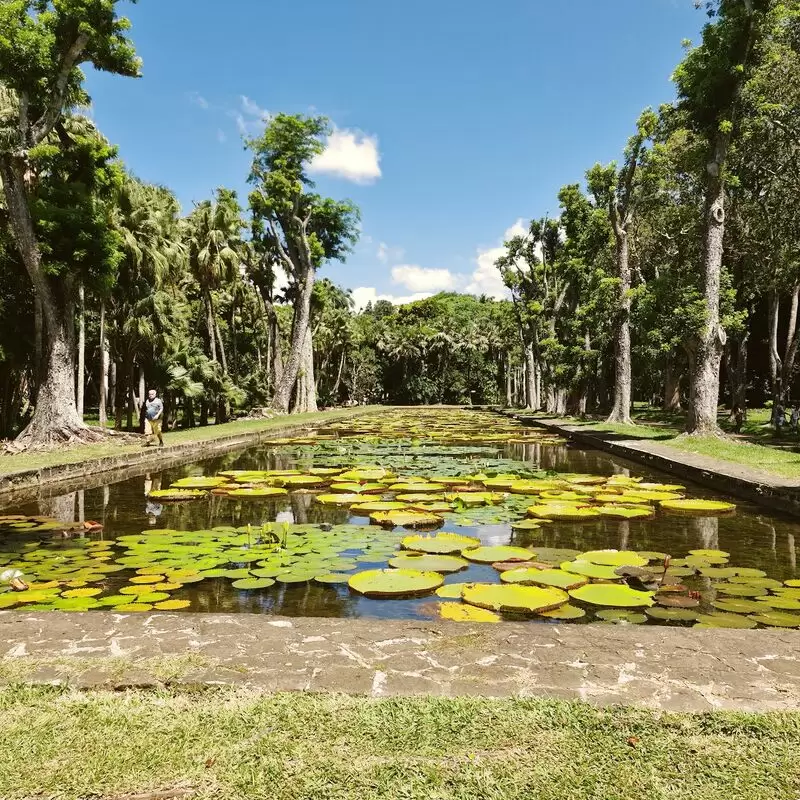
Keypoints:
(409, 514)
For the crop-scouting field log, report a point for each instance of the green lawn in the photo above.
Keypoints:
(757, 446)
(72, 455)
(235, 743)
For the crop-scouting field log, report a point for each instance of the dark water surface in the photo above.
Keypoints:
(752, 536)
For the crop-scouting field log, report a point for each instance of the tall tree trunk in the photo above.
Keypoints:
(222, 357)
(212, 327)
(509, 383)
(621, 410)
(672, 386)
(81, 382)
(335, 390)
(142, 389)
(775, 363)
(792, 341)
(130, 393)
(300, 328)
(531, 400)
(103, 412)
(38, 347)
(115, 396)
(583, 402)
(55, 418)
(305, 394)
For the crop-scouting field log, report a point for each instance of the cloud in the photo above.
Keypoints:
(386, 253)
(249, 117)
(420, 279)
(351, 155)
(221, 136)
(195, 98)
(364, 295)
(486, 278)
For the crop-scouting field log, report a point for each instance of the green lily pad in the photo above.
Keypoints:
(333, 577)
(563, 512)
(451, 591)
(615, 511)
(671, 614)
(783, 603)
(700, 508)
(428, 563)
(258, 493)
(619, 616)
(488, 555)
(395, 582)
(564, 612)
(740, 590)
(589, 570)
(610, 594)
(441, 543)
(613, 558)
(543, 577)
(777, 619)
(513, 597)
(739, 605)
(253, 583)
(721, 619)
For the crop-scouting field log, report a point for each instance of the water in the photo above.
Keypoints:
(753, 537)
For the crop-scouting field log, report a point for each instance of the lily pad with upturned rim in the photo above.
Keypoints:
(428, 563)
(513, 598)
(610, 594)
(698, 508)
(460, 612)
(441, 543)
(395, 582)
(490, 554)
(543, 577)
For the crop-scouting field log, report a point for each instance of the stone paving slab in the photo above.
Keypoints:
(665, 668)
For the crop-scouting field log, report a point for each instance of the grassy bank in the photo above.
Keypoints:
(756, 446)
(231, 744)
(76, 454)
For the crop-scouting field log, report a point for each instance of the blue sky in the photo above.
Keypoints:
(455, 120)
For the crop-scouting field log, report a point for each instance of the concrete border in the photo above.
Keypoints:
(29, 484)
(723, 476)
(659, 667)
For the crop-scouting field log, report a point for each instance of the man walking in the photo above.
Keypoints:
(155, 413)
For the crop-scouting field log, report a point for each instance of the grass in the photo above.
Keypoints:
(235, 743)
(73, 455)
(756, 447)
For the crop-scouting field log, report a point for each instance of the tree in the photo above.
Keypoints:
(42, 45)
(304, 230)
(616, 190)
(710, 82)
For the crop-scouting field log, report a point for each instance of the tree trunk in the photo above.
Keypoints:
(775, 363)
(792, 341)
(55, 418)
(300, 328)
(621, 410)
(103, 412)
(672, 386)
(305, 394)
(531, 401)
(211, 325)
(335, 390)
(509, 384)
(704, 393)
(81, 383)
(222, 357)
(130, 393)
(115, 397)
(142, 389)
(38, 347)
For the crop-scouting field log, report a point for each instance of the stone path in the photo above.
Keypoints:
(659, 667)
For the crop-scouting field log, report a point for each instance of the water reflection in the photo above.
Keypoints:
(752, 537)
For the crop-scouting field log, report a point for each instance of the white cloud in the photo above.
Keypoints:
(198, 100)
(221, 136)
(364, 295)
(351, 155)
(386, 253)
(486, 278)
(420, 279)
(249, 117)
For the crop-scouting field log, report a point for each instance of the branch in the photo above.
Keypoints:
(282, 252)
(56, 105)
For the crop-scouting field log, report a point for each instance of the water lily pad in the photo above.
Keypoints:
(777, 619)
(618, 616)
(671, 614)
(610, 594)
(783, 603)
(513, 597)
(737, 605)
(543, 577)
(172, 605)
(175, 495)
(700, 508)
(370, 507)
(459, 612)
(441, 543)
(428, 563)
(718, 572)
(253, 583)
(134, 607)
(488, 555)
(564, 612)
(563, 512)
(406, 519)
(613, 558)
(526, 524)
(199, 482)
(257, 493)
(395, 582)
(615, 511)
(88, 592)
(722, 619)
(341, 499)
(333, 577)
(451, 591)
(589, 570)
(740, 590)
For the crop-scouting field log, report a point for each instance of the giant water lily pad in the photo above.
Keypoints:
(428, 563)
(615, 511)
(777, 619)
(257, 493)
(451, 591)
(199, 482)
(543, 577)
(783, 603)
(341, 499)
(488, 555)
(722, 619)
(700, 508)
(459, 612)
(740, 590)
(442, 543)
(368, 508)
(395, 582)
(175, 495)
(613, 558)
(513, 597)
(589, 570)
(563, 512)
(406, 518)
(564, 612)
(737, 605)
(671, 614)
(609, 594)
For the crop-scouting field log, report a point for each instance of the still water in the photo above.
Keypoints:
(753, 537)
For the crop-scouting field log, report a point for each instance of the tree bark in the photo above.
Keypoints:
(335, 390)
(81, 383)
(55, 418)
(211, 325)
(531, 401)
(509, 384)
(621, 410)
(103, 412)
(306, 394)
(300, 328)
(792, 341)
(672, 386)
